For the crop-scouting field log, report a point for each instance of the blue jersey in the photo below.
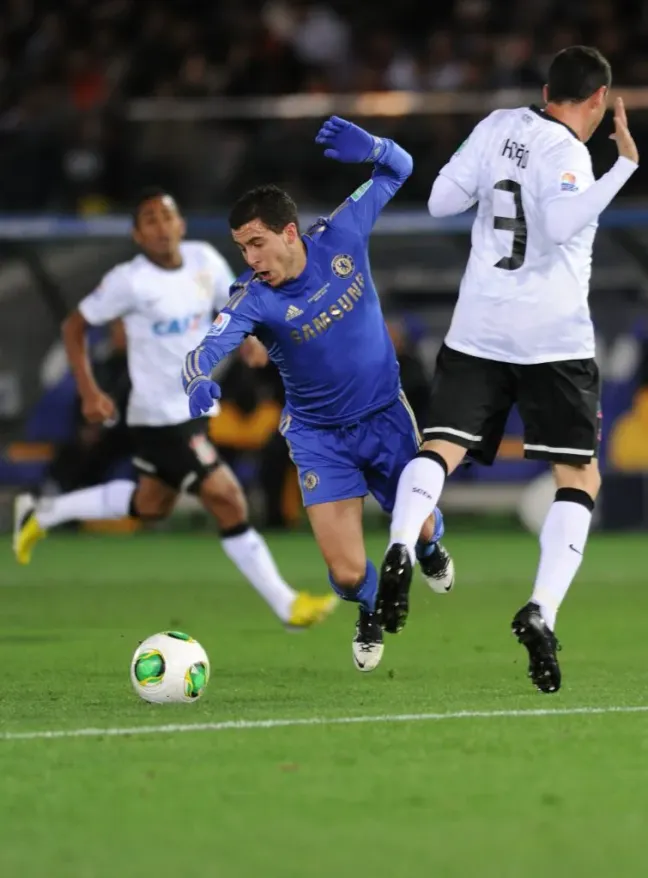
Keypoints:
(325, 330)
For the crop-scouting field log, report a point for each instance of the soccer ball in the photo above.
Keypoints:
(170, 667)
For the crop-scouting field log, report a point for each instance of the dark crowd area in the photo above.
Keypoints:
(70, 68)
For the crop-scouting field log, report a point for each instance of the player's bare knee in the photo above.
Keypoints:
(348, 572)
(585, 477)
(149, 508)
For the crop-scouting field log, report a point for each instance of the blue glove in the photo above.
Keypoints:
(202, 393)
(347, 142)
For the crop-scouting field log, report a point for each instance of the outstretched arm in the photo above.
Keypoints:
(567, 205)
(234, 323)
(347, 142)
(566, 216)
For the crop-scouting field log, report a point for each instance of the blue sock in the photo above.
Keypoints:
(364, 593)
(425, 549)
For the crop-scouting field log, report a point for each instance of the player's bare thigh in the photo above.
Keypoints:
(337, 527)
(153, 499)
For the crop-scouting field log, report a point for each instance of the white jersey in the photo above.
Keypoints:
(166, 313)
(523, 298)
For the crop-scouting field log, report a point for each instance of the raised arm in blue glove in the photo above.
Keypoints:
(347, 142)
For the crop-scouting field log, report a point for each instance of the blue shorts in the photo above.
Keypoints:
(338, 463)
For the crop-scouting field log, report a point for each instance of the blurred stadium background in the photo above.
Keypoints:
(100, 97)
(208, 97)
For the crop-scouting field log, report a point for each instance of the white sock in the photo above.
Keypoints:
(251, 555)
(419, 489)
(111, 500)
(562, 543)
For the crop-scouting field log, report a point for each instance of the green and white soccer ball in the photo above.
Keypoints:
(170, 667)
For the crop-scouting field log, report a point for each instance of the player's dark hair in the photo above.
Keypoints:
(144, 195)
(272, 205)
(576, 73)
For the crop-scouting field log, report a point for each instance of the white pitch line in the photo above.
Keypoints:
(313, 721)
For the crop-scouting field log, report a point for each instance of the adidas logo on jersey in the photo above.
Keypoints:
(293, 312)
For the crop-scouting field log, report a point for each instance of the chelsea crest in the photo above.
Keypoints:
(310, 480)
(342, 265)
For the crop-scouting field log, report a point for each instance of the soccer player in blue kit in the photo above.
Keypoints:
(311, 300)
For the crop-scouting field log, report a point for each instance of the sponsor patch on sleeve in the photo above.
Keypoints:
(360, 191)
(568, 182)
(220, 324)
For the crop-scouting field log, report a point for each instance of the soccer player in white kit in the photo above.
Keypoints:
(521, 331)
(166, 297)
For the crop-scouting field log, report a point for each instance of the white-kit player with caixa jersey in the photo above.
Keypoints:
(166, 298)
(521, 332)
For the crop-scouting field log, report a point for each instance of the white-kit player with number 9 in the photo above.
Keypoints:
(521, 331)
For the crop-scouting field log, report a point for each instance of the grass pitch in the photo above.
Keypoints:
(494, 795)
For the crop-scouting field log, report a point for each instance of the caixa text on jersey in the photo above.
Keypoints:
(180, 325)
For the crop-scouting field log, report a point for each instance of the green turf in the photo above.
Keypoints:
(496, 797)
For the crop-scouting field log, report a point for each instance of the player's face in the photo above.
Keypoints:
(160, 228)
(270, 254)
